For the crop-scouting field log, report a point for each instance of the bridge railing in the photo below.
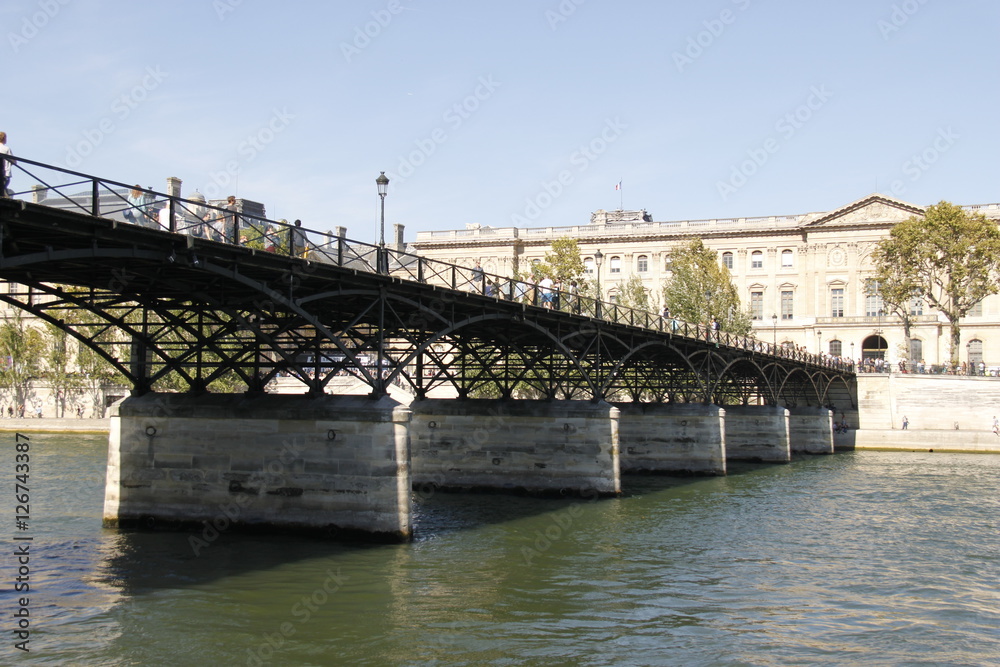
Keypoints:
(104, 198)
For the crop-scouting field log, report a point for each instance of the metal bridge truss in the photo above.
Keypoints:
(158, 304)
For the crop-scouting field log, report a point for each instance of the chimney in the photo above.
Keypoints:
(174, 186)
(341, 232)
(397, 230)
(39, 193)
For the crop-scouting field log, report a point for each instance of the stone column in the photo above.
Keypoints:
(534, 447)
(757, 433)
(330, 465)
(685, 438)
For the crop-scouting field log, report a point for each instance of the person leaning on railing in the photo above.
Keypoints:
(8, 162)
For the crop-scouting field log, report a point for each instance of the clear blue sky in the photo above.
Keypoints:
(703, 110)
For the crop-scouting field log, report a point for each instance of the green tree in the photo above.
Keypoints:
(21, 348)
(562, 263)
(700, 288)
(58, 363)
(949, 258)
(632, 294)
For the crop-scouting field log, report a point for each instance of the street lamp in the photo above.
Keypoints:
(852, 352)
(819, 342)
(774, 330)
(382, 182)
(598, 260)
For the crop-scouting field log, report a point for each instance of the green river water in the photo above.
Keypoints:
(861, 558)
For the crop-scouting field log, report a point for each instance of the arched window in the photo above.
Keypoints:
(616, 264)
(756, 260)
(727, 260)
(836, 348)
(588, 265)
(787, 257)
(641, 264)
(916, 350)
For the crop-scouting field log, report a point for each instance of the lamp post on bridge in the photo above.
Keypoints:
(598, 260)
(819, 342)
(382, 182)
(774, 332)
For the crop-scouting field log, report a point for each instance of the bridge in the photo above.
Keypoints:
(504, 394)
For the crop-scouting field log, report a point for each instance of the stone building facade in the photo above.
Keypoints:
(802, 277)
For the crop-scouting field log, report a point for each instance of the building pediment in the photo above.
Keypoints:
(874, 209)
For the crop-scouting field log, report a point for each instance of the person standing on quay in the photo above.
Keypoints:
(7, 164)
(906, 422)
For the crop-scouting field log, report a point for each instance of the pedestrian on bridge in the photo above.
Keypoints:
(8, 162)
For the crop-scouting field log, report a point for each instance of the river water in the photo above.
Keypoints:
(854, 559)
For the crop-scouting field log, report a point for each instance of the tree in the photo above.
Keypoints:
(701, 288)
(563, 263)
(57, 361)
(632, 294)
(949, 258)
(21, 350)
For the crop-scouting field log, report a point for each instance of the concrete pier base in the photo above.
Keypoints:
(685, 438)
(331, 465)
(810, 430)
(757, 433)
(535, 447)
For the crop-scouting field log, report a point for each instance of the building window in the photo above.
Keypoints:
(588, 265)
(976, 310)
(874, 306)
(616, 264)
(916, 350)
(786, 259)
(916, 306)
(757, 260)
(836, 348)
(837, 302)
(757, 305)
(727, 260)
(642, 264)
(613, 296)
(787, 304)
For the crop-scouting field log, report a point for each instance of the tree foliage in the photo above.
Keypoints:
(949, 258)
(562, 263)
(700, 288)
(21, 353)
(632, 294)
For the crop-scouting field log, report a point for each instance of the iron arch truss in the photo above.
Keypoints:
(155, 303)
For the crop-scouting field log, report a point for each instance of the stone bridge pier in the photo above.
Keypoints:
(344, 466)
